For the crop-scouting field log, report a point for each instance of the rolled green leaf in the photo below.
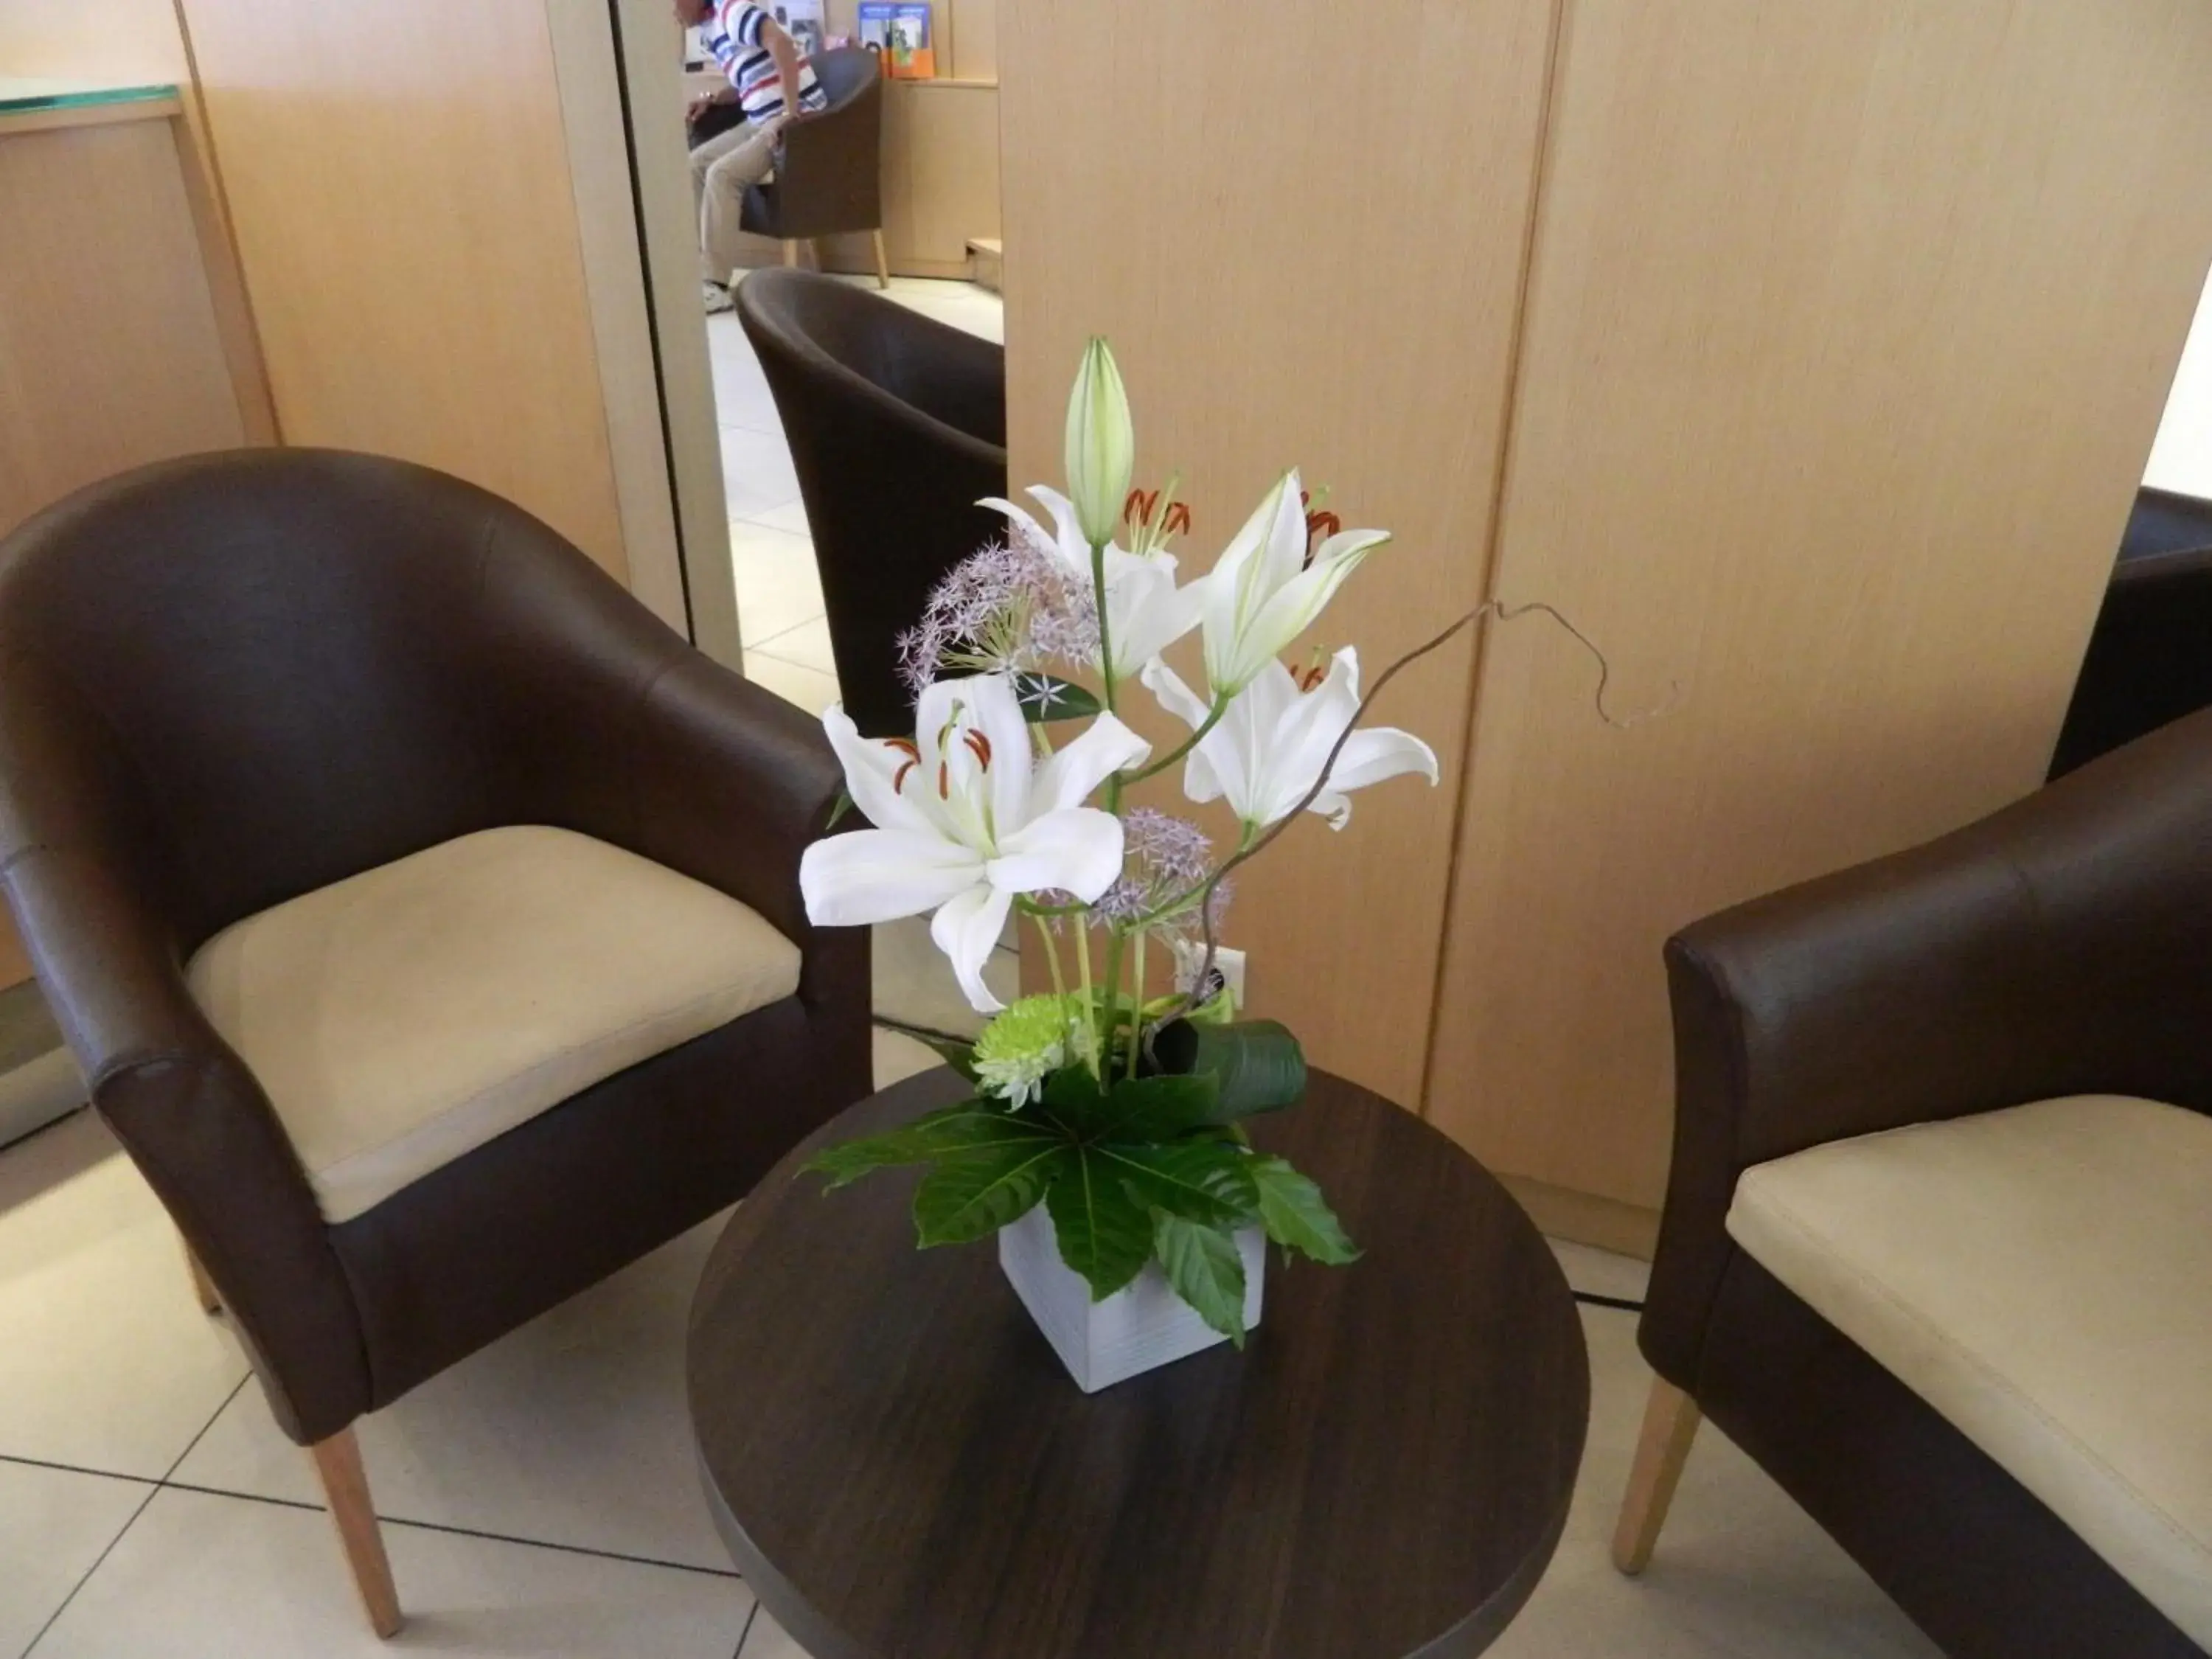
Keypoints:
(1296, 1215)
(1256, 1063)
(1203, 1265)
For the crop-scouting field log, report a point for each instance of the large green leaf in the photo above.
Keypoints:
(1256, 1064)
(1202, 1264)
(1208, 1182)
(971, 1193)
(947, 1129)
(1047, 697)
(1138, 1109)
(1296, 1216)
(1104, 1234)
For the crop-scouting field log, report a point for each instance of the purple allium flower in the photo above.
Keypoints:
(1009, 605)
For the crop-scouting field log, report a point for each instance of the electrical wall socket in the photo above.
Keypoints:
(1230, 964)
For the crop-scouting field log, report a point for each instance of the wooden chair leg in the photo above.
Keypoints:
(1670, 1423)
(338, 1464)
(883, 261)
(790, 251)
(210, 1299)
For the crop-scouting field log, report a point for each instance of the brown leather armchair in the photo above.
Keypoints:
(424, 913)
(1935, 1246)
(829, 165)
(897, 427)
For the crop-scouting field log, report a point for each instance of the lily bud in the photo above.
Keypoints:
(1102, 444)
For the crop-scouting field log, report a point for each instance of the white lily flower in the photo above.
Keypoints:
(1102, 443)
(965, 820)
(1146, 611)
(1273, 742)
(1263, 593)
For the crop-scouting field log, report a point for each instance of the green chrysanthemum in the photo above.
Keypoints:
(1026, 1044)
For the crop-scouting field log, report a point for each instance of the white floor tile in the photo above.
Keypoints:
(1601, 1272)
(757, 475)
(107, 1362)
(807, 644)
(1740, 1571)
(54, 1525)
(791, 516)
(205, 1578)
(778, 587)
(573, 1430)
(899, 1057)
(914, 984)
(809, 688)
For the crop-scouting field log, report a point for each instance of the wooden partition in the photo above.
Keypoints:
(399, 179)
(1849, 333)
(1846, 331)
(1284, 284)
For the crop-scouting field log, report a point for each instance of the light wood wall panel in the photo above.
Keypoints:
(399, 186)
(1849, 329)
(109, 353)
(1337, 292)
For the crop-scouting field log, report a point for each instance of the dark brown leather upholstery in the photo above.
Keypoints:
(2062, 946)
(228, 680)
(829, 165)
(897, 427)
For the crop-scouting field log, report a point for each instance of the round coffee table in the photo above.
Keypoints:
(902, 1470)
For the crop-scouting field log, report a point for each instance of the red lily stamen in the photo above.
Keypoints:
(944, 780)
(978, 745)
(905, 746)
(1138, 508)
(1178, 518)
(1318, 522)
(1308, 678)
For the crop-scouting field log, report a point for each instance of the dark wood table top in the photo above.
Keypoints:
(902, 1470)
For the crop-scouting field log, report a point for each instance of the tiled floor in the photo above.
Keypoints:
(780, 610)
(540, 1497)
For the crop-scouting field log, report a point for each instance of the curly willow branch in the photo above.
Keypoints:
(1502, 612)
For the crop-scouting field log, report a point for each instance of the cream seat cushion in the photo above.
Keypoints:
(404, 1017)
(2039, 1276)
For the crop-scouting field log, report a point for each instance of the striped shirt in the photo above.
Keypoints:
(735, 35)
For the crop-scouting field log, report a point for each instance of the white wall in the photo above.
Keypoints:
(2181, 459)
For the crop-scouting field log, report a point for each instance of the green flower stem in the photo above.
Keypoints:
(1105, 634)
(1090, 1000)
(1112, 1011)
(1212, 719)
(1051, 955)
(1137, 1003)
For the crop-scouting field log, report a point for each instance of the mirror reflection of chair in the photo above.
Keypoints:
(829, 168)
(897, 428)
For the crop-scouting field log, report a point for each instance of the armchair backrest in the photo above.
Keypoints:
(829, 173)
(897, 427)
(236, 678)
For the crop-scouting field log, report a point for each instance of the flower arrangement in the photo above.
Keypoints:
(1123, 1114)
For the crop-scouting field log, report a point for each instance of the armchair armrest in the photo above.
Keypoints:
(2062, 946)
(730, 784)
(199, 1128)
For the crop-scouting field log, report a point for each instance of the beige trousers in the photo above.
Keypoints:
(720, 169)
